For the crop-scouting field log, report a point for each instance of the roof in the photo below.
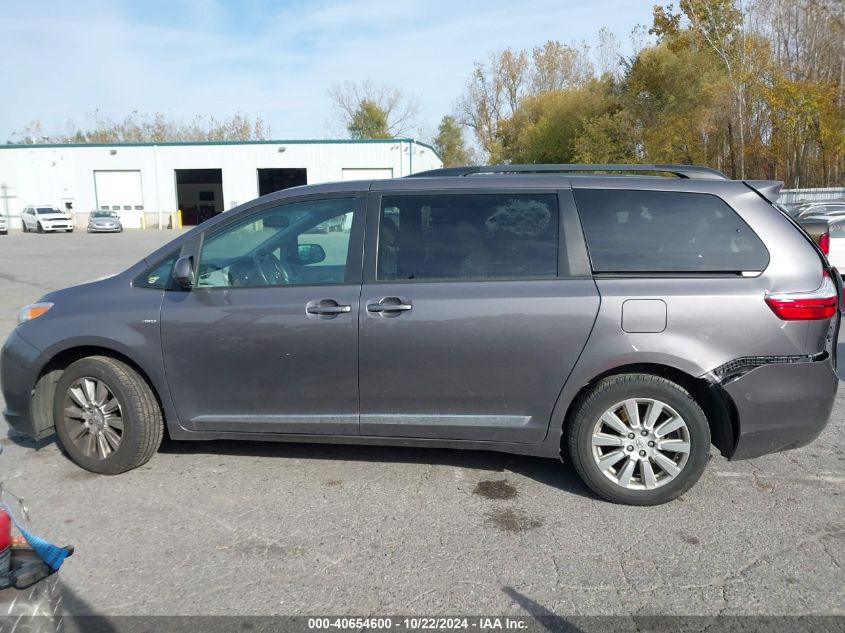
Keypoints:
(321, 141)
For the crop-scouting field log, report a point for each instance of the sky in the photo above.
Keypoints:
(62, 60)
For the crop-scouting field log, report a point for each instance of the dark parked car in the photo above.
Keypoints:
(620, 322)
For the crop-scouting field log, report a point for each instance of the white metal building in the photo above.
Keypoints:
(145, 183)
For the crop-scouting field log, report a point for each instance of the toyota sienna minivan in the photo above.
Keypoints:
(623, 317)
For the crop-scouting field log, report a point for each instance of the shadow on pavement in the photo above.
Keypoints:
(550, 472)
(549, 620)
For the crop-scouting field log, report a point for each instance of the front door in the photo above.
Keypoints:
(471, 316)
(267, 340)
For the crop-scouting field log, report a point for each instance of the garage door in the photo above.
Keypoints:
(378, 173)
(120, 191)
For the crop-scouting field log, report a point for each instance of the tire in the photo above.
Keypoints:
(69, 231)
(647, 483)
(23, 227)
(40, 229)
(137, 407)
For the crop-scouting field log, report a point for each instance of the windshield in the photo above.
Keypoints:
(104, 214)
(45, 210)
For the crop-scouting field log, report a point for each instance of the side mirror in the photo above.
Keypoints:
(310, 254)
(183, 272)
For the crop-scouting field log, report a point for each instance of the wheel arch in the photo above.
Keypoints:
(45, 386)
(717, 405)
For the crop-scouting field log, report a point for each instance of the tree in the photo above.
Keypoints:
(545, 127)
(492, 94)
(368, 121)
(558, 66)
(362, 106)
(449, 143)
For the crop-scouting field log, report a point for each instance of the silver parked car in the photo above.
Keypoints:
(102, 221)
(623, 323)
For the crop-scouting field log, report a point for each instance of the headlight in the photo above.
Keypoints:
(33, 311)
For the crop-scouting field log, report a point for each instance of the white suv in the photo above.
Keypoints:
(42, 218)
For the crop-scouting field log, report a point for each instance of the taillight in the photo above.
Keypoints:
(806, 306)
(824, 243)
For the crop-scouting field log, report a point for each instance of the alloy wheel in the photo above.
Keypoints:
(640, 443)
(93, 417)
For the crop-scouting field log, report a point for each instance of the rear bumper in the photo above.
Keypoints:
(781, 406)
(19, 367)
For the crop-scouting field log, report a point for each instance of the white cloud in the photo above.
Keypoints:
(204, 58)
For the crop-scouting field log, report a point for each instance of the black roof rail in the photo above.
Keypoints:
(681, 171)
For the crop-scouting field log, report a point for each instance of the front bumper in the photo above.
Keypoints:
(20, 364)
(781, 406)
(93, 228)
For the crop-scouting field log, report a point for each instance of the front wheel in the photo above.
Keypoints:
(639, 439)
(40, 228)
(107, 418)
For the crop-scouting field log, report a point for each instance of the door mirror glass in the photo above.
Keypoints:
(310, 254)
(183, 272)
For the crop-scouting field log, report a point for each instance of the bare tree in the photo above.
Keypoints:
(559, 66)
(493, 92)
(400, 108)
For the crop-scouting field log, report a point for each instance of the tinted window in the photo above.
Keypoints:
(666, 231)
(467, 236)
(296, 244)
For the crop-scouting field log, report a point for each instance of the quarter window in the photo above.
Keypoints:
(666, 231)
(303, 243)
(468, 236)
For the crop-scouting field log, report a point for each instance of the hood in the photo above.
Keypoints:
(104, 220)
(51, 216)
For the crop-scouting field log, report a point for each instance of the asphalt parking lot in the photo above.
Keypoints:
(248, 528)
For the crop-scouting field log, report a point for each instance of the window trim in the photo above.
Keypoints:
(566, 214)
(352, 274)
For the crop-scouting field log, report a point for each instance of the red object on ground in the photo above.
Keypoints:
(5, 530)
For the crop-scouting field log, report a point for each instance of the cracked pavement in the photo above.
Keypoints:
(249, 528)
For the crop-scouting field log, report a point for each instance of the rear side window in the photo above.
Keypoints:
(468, 236)
(666, 231)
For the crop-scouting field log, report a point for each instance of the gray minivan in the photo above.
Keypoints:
(590, 312)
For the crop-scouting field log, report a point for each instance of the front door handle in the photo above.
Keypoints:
(390, 304)
(326, 308)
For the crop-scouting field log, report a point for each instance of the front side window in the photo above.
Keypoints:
(666, 231)
(302, 243)
(468, 236)
(159, 276)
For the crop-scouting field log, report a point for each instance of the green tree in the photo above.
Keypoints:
(368, 121)
(369, 110)
(450, 144)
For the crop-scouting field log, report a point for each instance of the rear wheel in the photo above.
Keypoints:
(107, 417)
(639, 439)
